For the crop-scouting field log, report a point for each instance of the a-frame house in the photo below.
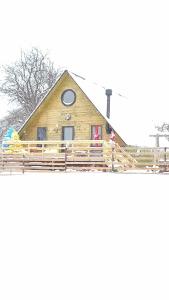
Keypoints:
(72, 109)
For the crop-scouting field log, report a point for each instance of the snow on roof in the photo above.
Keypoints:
(119, 107)
(127, 118)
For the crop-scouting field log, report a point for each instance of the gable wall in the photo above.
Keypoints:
(51, 114)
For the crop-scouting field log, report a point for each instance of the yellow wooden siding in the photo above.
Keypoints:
(51, 114)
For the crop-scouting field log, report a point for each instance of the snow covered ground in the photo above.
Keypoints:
(84, 236)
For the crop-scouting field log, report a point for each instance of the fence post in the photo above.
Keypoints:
(3, 159)
(65, 157)
(165, 158)
(23, 170)
(113, 150)
(42, 150)
(0, 161)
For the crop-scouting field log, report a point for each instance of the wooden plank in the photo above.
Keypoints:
(77, 154)
(89, 168)
(86, 163)
(55, 142)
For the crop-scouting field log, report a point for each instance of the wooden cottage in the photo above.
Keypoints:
(73, 109)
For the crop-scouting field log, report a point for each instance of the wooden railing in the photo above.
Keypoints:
(123, 156)
(57, 155)
(148, 158)
(81, 155)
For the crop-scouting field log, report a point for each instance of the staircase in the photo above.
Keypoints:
(122, 159)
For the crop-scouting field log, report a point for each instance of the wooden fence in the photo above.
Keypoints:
(56, 156)
(80, 155)
(149, 158)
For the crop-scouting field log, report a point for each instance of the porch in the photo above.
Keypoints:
(81, 155)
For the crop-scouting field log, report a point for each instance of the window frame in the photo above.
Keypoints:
(45, 133)
(91, 135)
(62, 96)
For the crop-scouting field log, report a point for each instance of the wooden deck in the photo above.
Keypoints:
(54, 156)
(80, 155)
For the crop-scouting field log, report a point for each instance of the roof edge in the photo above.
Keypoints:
(108, 120)
(43, 99)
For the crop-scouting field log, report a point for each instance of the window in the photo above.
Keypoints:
(68, 97)
(96, 132)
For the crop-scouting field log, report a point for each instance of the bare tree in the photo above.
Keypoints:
(15, 118)
(26, 82)
(163, 128)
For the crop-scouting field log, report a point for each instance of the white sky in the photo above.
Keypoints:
(121, 44)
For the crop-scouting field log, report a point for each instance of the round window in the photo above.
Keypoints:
(68, 97)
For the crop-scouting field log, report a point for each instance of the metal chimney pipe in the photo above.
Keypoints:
(108, 94)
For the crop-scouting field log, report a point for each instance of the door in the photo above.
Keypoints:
(68, 133)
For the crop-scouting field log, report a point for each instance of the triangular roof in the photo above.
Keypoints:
(96, 94)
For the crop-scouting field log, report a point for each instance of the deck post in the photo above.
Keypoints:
(3, 159)
(23, 170)
(65, 157)
(113, 149)
(165, 158)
